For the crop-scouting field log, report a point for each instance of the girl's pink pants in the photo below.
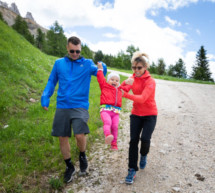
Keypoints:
(110, 123)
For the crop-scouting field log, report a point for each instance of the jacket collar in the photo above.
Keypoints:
(80, 59)
(145, 75)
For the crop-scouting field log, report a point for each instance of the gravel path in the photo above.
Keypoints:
(182, 154)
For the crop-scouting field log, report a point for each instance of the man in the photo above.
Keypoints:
(73, 72)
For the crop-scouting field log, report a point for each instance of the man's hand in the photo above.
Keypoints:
(45, 108)
(99, 64)
(129, 81)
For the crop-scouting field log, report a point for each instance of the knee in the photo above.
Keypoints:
(79, 137)
(145, 146)
(134, 141)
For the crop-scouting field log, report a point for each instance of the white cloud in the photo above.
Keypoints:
(172, 22)
(198, 32)
(109, 35)
(126, 17)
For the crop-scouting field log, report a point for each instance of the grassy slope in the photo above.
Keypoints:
(27, 150)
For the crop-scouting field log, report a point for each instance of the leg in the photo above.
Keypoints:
(106, 118)
(81, 142)
(135, 129)
(148, 128)
(114, 127)
(65, 150)
(149, 123)
(65, 147)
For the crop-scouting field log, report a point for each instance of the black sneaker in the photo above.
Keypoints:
(83, 165)
(68, 175)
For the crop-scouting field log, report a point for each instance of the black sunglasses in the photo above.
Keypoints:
(137, 67)
(73, 51)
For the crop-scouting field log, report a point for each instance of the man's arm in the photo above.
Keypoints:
(94, 69)
(50, 87)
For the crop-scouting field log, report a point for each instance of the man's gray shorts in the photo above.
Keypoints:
(66, 118)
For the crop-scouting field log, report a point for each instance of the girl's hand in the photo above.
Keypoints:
(99, 64)
(129, 81)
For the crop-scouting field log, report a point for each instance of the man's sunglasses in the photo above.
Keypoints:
(73, 51)
(138, 67)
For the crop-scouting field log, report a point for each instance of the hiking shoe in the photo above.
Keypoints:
(83, 164)
(143, 162)
(108, 139)
(130, 177)
(114, 146)
(68, 175)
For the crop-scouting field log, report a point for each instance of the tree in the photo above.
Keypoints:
(161, 67)
(180, 69)
(201, 69)
(153, 68)
(98, 56)
(86, 52)
(40, 39)
(56, 41)
(21, 27)
(131, 49)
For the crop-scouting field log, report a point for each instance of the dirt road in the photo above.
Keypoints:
(182, 154)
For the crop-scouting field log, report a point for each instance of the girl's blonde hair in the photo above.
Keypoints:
(140, 57)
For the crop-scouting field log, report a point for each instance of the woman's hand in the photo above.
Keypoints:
(99, 64)
(129, 81)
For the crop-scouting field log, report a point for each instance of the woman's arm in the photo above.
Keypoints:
(146, 93)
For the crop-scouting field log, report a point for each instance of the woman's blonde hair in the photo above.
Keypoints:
(140, 57)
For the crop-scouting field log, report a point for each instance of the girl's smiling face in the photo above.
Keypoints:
(114, 81)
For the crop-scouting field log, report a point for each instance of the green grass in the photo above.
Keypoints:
(30, 158)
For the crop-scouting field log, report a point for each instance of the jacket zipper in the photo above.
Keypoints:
(116, 97)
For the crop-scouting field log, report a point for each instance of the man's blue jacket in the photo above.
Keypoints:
(74, 82)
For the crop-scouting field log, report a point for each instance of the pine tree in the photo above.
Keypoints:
(40, 39)
(201, 69)
(161, 67)
(21, 27)
(56, 41)
(180, 69)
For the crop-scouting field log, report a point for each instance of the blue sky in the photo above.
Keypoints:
(168, 29)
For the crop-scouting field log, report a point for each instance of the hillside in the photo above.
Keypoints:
(23, 71)
(29, 155)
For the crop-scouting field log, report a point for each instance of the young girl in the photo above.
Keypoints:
(110, 101)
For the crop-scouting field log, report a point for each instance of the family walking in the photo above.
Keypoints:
(73, 74)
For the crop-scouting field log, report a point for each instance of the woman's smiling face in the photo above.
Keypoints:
(138, 69)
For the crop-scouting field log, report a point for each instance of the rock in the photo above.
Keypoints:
(29, 16)
(14, 8)
(5, 126)
(177, 189)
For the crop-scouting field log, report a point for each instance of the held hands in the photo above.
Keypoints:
(99, 64)
(129, 81)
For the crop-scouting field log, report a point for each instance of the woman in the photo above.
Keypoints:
(143, 115)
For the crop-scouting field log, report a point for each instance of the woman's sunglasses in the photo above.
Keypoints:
(73, 51)
(137, 67)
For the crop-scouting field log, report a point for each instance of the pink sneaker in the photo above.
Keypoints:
(109, 139)
(114, 146)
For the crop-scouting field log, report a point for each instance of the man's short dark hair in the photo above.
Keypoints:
(74, 40)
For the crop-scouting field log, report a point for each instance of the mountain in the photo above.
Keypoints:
(10, 13)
